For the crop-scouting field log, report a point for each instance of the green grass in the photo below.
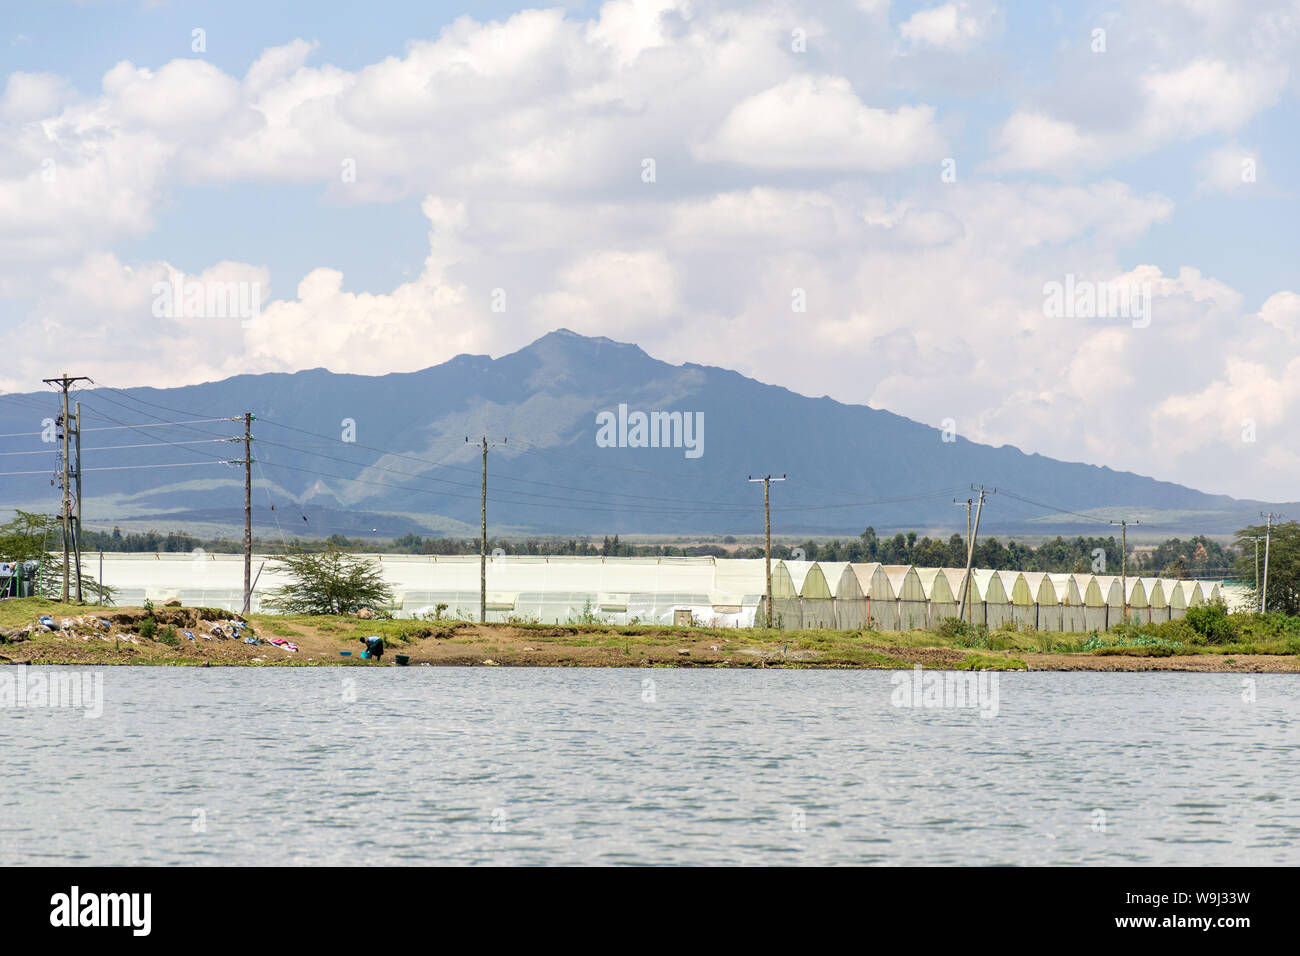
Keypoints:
(20, 612)
(983, 662)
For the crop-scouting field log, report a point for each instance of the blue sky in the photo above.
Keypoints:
(499, 147)
(1252, 241)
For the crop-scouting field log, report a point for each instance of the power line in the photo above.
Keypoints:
(157, 444)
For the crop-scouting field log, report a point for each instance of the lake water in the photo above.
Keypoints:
(582, 766)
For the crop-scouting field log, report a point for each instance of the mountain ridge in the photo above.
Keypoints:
(409, 467)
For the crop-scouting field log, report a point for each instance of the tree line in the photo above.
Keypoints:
(1175, 557)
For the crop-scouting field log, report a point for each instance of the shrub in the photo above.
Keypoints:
(167, 635)
(1213, 623)
(963, 633)
(147, 628)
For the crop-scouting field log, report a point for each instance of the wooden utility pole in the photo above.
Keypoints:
(1123, 560)
(64, 382)
(482, 543)
(970, 553)
(1268, 517)
(767, 525)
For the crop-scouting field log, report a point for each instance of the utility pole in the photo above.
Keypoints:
(247, 462)
(1123, 559)
(970, 552)
(248, 510)
(1256, 540)
(64, 382)
(482, 544)
(767, 525)
(1268, 517)
(76, 530)
(968, 502)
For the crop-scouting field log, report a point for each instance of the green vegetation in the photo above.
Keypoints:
(329, 582)
(34, 537)
(1174, 557)
(1283, 565)
(982, 662)
(1210, 630)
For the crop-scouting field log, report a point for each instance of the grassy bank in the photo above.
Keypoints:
(104, 636)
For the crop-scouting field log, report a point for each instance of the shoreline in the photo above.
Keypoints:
(204, 637)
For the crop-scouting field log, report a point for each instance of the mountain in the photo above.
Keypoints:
(557, 403)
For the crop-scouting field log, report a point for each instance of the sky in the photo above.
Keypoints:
(871, 201)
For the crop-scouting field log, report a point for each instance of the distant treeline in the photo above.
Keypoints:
(1174, 557)
(1083, 555)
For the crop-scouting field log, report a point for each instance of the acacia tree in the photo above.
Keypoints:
(1283, 565)
(331, 581)
(29, 537)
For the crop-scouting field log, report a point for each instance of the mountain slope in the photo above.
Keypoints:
(410, 468)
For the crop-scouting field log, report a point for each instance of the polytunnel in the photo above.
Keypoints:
(1096, 605)
(1177, 600)
(1071, 602)
(786, 610)
(1157, 600)
(974, 611)
(938, 593)
(1135, 601)
(739, 587)
(1047, 600)
(852, 609)
(817, 600)
(882, 602)
(1024, 606)
(909, 595)
(997, 603)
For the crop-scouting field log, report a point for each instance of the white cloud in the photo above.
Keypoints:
(1233, 169)
(817, 122)
(1033, 141)
(33, 95)
(953, 26)
(1206, 96)
(524, 138)
(1282, 311)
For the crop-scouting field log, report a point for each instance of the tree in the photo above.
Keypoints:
(329, 582)
(29, 537)
(1283, 565)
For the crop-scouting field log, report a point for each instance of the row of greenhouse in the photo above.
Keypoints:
(717, 592)
(901, 597)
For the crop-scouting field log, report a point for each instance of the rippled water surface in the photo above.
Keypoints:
(532, 765)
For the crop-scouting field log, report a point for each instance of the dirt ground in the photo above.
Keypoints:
(105, 636)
